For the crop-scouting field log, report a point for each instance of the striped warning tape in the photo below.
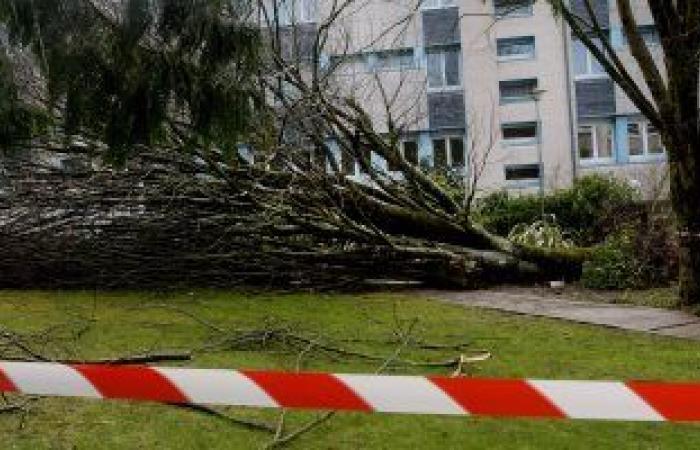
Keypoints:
(646, 401)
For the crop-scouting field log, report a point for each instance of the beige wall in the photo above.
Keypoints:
(483, 71)
(364, 28)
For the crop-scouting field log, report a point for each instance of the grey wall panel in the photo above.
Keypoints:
(298, 42)
(595, 97)
(446, 110)
(441, 26)
(600, 7)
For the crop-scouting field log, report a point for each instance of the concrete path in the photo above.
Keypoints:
(626, 317)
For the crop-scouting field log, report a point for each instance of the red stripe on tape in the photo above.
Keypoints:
(308, 390)
(5, 384)
(498, 397)
(674, 401)
(131, 382)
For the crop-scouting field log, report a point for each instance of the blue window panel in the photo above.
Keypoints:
(622, 151)
(425, 150)
(617, 39)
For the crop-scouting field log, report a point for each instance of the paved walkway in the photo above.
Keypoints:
(626, 317)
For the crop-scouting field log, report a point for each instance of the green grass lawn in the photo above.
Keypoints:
(85, 325)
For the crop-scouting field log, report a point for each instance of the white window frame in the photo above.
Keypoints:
(596, 159)
(448, 149)
(438, 4)
(523, 181)
(442, 52)
(523, 98)
(521, 56)
(646, 155)
(521, 142)
(403, 150)
(349, 65)
(394, 55)
(295, 11)
(590, 61)
(514, 15)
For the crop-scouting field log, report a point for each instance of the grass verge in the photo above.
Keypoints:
(95, 325)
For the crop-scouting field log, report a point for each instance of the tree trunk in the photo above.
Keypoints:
(689, 265)
(685, 196)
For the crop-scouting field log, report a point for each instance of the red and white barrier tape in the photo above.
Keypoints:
(646, 401)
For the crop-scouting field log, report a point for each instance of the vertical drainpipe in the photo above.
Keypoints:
(570, 86)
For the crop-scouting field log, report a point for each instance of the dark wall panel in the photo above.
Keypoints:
(600, 7)
(446, 110)
(441, 26)
(595, 97)
(298, 42)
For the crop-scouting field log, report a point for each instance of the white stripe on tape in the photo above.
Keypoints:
(596, 400)
(48, 379)
(217, 387)
(401, 394)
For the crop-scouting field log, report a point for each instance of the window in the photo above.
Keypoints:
(522, 172)
(513, 48)
(320, 157)
(432, 4)
(307, 10)
(448, 152)
(366, 161)
(440, 153)
(394, 60)
(512, 8)
(457, 152)
(347, 164)
(444, 67)
(410, 151)
(649, 34)
(654, 144)
(517, 90)
(643, 139)
(290, 12)
(595, 141)
(585, 64)
(348, 64)
(520, 133)
(635, 139)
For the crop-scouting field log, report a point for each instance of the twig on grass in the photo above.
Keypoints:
(281, 440)
(247, 423)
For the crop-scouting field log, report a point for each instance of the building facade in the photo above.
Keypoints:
(498, 86)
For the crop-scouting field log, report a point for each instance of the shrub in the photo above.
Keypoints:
(640, 255)
(588, 211)
(543, 233)
(614, 264)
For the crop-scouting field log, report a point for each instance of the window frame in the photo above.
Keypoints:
(519, 99)
(646, 155)
(396, 55)
(590, 62)
(519, 56)
(449, 157)
(521, 142)
(293, 14)
(439, 4)
(442, 52)
(513, 15)
(649, 33)
(522, 181)
(348, 65)
(596, 158)
(402, 152)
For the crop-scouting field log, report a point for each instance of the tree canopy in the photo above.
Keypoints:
(124, 73)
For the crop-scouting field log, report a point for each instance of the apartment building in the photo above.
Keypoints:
(497, 86)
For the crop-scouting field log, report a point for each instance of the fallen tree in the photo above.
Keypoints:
(164, 196)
